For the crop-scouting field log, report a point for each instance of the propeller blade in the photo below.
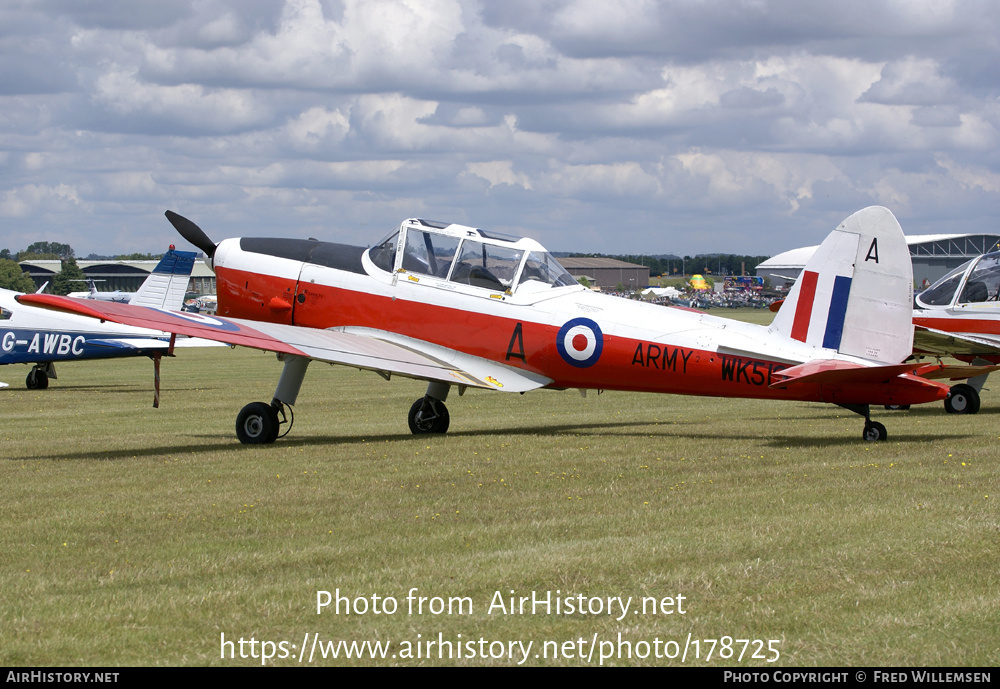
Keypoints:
(192, 233)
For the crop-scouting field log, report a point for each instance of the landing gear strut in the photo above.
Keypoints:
(873, 431)
(428, 414)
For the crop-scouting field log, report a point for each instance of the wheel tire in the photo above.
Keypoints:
(433, 419)
(897, 407)
(37, 379)
(963, 400)
(257, 424)
(874, 432)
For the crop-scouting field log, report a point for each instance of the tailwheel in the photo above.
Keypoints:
(874, 432)
(963, 399)
(37, 379)
(257, 424)
(428, 415)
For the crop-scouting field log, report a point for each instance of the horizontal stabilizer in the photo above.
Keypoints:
(844, 382)
(846, 373)
(960, 372)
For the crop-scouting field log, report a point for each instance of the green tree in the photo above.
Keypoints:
(64, 282)
(12, 277)
(32, 256)
(62, 251)
(583, 281)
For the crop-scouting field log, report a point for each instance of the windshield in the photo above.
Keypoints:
(942, 292)
(542, 267)
(983, 282)
(429, 252)
(383, 254)
(486, 265)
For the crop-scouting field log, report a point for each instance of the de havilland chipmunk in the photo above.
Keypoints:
(463, 307)
(959, 316)
(41, 337)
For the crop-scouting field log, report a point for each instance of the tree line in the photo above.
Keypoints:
(69, 277)
(711, 264)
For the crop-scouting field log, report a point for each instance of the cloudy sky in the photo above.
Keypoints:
(742, 126)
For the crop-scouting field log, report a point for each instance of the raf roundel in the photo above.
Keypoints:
(580, 342)
(202, 320)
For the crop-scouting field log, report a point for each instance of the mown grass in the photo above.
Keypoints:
(134, 536)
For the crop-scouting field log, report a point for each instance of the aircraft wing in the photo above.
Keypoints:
(373, 350)
(931, 341)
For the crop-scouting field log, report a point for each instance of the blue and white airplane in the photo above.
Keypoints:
(29, 335)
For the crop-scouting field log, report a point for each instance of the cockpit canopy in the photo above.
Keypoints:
(973, 282)
(469, 256)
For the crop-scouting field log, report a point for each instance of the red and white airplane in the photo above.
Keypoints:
(959, 316)
(463, 307)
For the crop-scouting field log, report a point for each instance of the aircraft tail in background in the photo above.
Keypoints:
(166, 285)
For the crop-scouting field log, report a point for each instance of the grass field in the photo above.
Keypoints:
(134, 536)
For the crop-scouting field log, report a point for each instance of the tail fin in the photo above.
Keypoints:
(856, 292)
(166, 285)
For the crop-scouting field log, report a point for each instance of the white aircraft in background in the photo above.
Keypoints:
(959, 316)
(40, 337)
(93, 293)
(462, 307)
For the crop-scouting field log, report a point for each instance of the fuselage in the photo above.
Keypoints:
(30, 335)
(497, 310)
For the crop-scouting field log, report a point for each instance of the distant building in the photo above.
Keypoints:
(933, 255)
(607, 273)
(111, 275)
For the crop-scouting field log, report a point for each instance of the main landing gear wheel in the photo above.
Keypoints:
(428, 415)
(37, 379)
(897, 407)
(874, 432)
(257, 424)
(963, 400)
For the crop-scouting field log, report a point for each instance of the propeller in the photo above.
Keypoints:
(192, 233)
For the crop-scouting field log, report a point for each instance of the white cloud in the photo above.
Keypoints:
(971, 177)
(499, 172)
(194, 105)
(31, 198)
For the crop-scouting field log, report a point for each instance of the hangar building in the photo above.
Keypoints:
(607, 273)
(112, 275)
